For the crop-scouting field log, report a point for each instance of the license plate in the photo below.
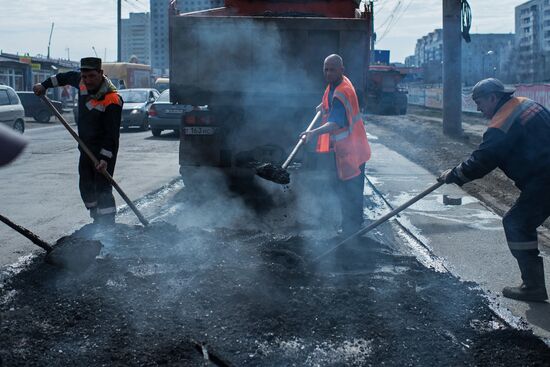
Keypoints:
(174, 111)
(198, 130)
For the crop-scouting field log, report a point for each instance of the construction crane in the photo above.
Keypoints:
(50, 40)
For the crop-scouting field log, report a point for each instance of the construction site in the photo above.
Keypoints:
(230, 248)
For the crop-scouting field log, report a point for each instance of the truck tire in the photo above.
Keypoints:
(156, 132)
(42, 116)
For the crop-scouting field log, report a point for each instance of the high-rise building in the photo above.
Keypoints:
(533, 40)
(159, 37)
(136, 38)
(160, 60)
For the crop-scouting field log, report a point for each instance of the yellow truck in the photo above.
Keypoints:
(128, 75)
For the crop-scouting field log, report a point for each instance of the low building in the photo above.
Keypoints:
(487, 55)
(22, 72)
(15, 73)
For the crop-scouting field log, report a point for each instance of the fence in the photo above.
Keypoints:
(432, 97)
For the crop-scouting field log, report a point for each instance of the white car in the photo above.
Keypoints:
(12, 112)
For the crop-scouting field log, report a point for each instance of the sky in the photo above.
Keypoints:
(83, 24)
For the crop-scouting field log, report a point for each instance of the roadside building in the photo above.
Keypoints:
(21, 72)
(159, 37)
(487, 55)
(160, 60)
(136, 38)
(15, 73)
(532, 22)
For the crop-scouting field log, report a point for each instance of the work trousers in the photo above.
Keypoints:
(96, 191)
(350, 195)
(529, 211)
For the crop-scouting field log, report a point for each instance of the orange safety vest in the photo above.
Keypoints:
(350, 145)
(110, 96)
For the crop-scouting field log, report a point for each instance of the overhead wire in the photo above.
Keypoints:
(390, 17)
(395, 21)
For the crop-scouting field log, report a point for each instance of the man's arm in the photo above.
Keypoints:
(111, 121)
(490, 154)
(69, 78)
(336, 120)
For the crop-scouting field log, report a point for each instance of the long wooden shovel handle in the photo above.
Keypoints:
(384, 218)
(95, 161)
(25, 232)
(301, 141)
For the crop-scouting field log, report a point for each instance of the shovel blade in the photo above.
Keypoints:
(75, 254)
(271, 172)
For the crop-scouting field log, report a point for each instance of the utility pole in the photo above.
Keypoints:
(452, 68)
(119, 30)
(50, 40)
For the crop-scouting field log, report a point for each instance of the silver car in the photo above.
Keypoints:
(135, 111)
(12, 112)
(164, 115)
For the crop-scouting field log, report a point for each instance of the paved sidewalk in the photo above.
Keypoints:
(469, 237)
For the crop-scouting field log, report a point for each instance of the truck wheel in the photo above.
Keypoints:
(43, 116)
(19, 125)
(156, 132)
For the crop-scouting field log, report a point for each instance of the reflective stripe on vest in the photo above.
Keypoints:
(83, 89)
(510, 111)
(102, 104)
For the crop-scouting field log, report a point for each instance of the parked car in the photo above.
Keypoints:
(36, 108)
(12, 112)
(135, 111)
(164, 115)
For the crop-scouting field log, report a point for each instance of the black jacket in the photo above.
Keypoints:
(99, 114)
(517, 141)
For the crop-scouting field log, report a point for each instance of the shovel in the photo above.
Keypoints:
(71, 253)
(279, 174)
(384, 218)
(95, 161)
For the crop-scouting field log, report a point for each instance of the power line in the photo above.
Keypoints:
(390, 17)
(396, 20)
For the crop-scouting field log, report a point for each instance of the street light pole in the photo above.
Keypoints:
(119, 30)
(452, 68)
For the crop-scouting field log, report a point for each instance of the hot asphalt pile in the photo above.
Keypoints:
(245, 296)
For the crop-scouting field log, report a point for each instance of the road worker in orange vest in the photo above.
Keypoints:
(99, 116)
(343, 135)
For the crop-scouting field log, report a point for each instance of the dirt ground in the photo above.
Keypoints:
(242, 290)
(419, 137)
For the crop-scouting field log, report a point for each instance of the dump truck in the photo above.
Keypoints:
(385, 96)
(128, 75)
(253, 70)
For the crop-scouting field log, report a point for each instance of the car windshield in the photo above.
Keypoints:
(164, 96)
(133, 96)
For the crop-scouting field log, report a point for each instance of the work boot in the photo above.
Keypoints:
(93, 213)
(105, 219)
(533, 287)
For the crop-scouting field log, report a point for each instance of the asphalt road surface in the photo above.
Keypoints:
(40, 189)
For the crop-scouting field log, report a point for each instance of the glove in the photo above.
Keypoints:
(449, 177)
